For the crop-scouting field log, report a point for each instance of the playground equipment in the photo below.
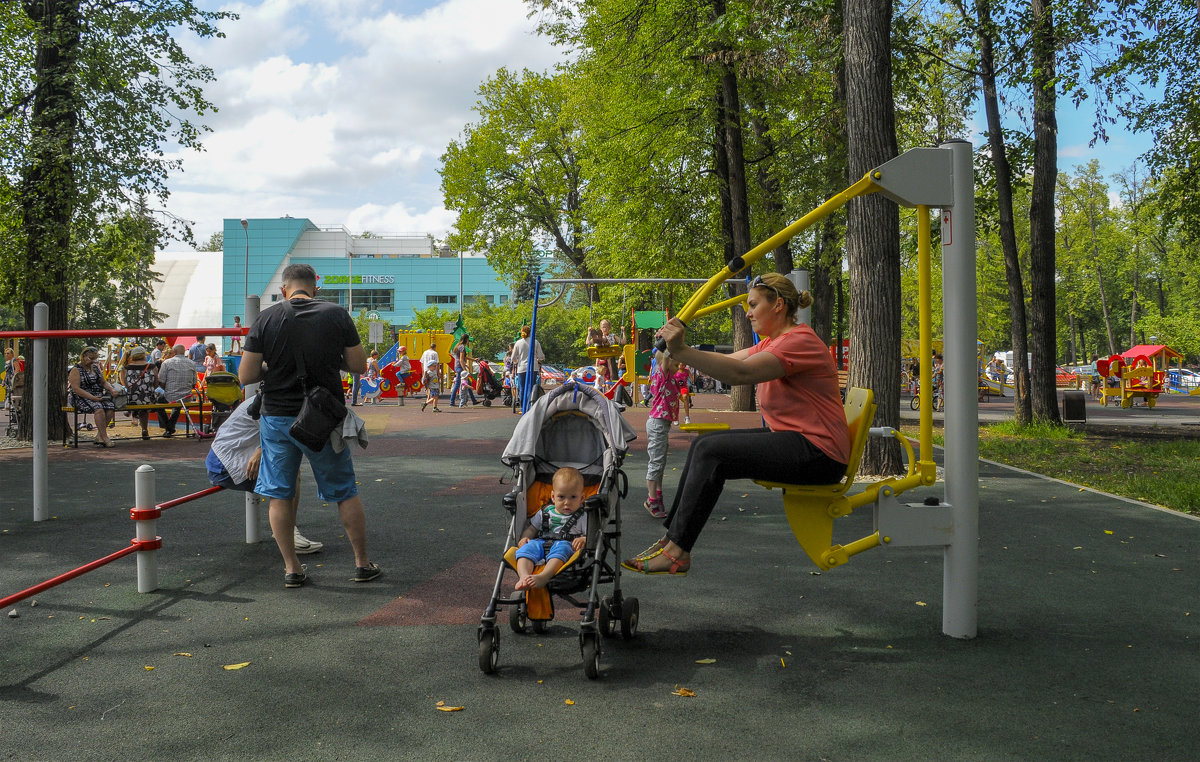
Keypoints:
(1166, 361)
(388, 384)
(1123, 382)
(924, 178)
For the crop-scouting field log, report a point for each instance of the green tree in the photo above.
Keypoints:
(118, 266)
(514, 177)
(215, 242)
(96, 88)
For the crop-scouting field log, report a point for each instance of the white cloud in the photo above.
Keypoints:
(398, 218)
(339, 110)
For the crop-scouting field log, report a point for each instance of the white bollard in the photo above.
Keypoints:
(253, 531)
(253, 534)
(145, 516)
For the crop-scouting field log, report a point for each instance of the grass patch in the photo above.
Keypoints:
(1154, 468)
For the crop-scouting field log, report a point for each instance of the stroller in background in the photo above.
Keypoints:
(224, 391)
(573, 425)
(486, 385)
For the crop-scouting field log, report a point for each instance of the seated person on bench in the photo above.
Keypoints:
(554, 533)
(806, 440)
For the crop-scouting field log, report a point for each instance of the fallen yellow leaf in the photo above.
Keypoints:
(922, 603)
(450, 708)
(1107, 531)
(569, 702)
(781, 662)
(235, 666)
(182, 653)
(148, 668)
(683, 692)
(706, 661)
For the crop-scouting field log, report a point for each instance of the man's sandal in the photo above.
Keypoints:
(677, 568)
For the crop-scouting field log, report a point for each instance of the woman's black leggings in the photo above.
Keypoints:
(777, 456)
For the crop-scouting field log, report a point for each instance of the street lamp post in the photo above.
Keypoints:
(246, 278)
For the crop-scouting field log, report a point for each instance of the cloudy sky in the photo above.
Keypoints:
(337, 110)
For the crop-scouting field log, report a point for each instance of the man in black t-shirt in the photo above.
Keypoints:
(323, 336)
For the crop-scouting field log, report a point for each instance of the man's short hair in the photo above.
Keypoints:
(179, 349)
(300, 273)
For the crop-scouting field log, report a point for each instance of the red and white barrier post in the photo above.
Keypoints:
(145, 514)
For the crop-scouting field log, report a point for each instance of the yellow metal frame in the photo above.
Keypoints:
(811, 509)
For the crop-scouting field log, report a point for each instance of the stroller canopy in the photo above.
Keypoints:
(593, 440)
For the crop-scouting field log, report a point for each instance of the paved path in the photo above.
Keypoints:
(1088, 647)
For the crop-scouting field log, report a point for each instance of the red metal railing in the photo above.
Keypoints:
(100, 333)
(187, 498)
(136, 545)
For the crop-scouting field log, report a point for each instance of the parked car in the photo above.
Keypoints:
(1187, 378)
(552, 376)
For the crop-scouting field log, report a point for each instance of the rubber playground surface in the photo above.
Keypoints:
(1088, 644)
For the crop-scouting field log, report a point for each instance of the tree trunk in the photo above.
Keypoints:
(1074, 340)
(1004, 205)
(1133, 299)
(826, 269)
(873, 224)
(740, 397)
(47, 192)
(827, 260)
(768, 184)
(1042, 333)
(1112, 342)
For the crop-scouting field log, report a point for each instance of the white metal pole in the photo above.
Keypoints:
(960, 584)
(253, 525)
(801, 280)
(143, 498)
(246, 261)
(41, 392)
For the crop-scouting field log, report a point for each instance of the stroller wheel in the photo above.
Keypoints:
(489, 649)
(539, 626)
(629, 618)
(487, 402)
(604, 618)
(517, 618)
(589, 645)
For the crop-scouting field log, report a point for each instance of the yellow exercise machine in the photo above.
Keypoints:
(924, 178)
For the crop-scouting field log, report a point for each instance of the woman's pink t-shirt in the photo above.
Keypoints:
(806, 399)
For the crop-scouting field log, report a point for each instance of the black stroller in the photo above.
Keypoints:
(573, 425)
(487, 386)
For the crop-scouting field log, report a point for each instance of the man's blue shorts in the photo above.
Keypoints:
(334, 471)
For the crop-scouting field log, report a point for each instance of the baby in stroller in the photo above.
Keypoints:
(560, 531)
(566, 454)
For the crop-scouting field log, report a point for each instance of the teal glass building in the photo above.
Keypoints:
(393, 275)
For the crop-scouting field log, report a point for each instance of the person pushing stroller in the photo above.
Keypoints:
(554, 533)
